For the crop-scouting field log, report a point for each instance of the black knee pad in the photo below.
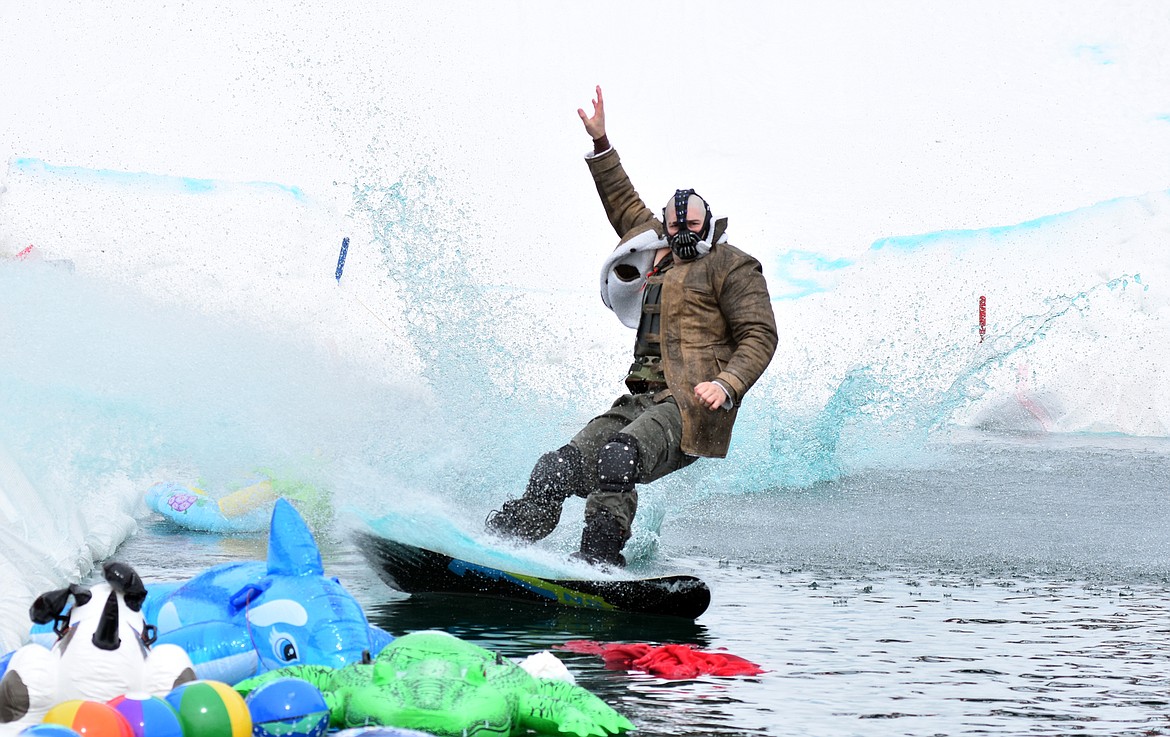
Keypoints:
(618, 464)
(558, 474)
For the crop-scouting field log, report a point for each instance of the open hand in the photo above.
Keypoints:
(595, 125)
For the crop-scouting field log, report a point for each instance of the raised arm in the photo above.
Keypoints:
(623, 206)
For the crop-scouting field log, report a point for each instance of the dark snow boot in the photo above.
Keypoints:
(602, 541)
(557, 476)
(524, 519)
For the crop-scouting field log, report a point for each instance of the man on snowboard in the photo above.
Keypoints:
(705, 333)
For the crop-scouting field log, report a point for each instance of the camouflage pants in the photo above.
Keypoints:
(658, 430)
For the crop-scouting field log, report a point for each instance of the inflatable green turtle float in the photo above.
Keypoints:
(435, 682)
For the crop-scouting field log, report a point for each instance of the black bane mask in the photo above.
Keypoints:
(685, 243)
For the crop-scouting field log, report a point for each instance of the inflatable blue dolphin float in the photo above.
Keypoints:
(238, 620)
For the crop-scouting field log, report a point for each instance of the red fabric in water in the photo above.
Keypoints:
(665, 661)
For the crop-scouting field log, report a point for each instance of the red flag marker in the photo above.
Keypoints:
(982, 317)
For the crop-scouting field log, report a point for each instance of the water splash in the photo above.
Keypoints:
(880, 414)
(488, 427)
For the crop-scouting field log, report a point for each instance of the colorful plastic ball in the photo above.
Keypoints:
(149, 716)
(211, 709)
(288, 707)
(89, 719)
(48, 730)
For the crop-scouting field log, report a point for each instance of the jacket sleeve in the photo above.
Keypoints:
(624, 208)
(747, 307)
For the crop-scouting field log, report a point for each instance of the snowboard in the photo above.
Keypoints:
(417, 570)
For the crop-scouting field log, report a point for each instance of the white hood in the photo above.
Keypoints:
(624, 273)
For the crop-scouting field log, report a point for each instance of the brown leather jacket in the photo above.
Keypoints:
(717, 320)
